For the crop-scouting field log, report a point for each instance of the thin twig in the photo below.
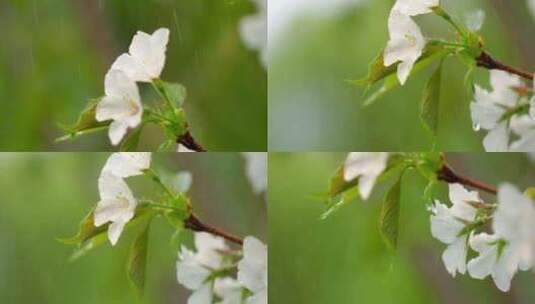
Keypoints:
(193, 223)
(485, 60)
(189, 142)
(447, 175)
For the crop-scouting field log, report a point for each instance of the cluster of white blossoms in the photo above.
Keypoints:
(366, 166)
(208, 271)
(406, 42)
(256, 170)
(509, 248)
(253, 30)
(500, 112)
(117, 204)
(144, 62)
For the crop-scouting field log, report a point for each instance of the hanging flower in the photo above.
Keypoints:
(146, 56)
(117, 205)
(366, 166)
(252, 270)
(512, 246)
(448, 225)
(121, 104)
(195, 268)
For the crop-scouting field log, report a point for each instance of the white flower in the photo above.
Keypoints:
(121, 104)
(524, 127)
(532, 102)
(195, 268)
(447, 224)
(256, 170)
(252, 270)
(229, 290)
(253, 30)
(367, 166)
(146, 57)
(117, 205)
(406, 44)
(512, 246)
(126, 164)
(181, 148)
(488, 109)
(415, 7)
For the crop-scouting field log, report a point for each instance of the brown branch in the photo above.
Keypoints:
(485, 60)
(193, 223)
(189, 142)
(447, 175)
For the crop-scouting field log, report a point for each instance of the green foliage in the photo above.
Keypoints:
(429, 111)
(335, 203)
(376, 71)
(389, 218)
(338, 184)
(86, 231)
(137, 261)
(86, 122)
(173, 92)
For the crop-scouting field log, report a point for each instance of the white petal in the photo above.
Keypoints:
(192, 276)
(112, 211)
(364, 163)
(485, 112)
(155, 63)
(415, 7)
(229, 290)
(131, 67)
(475, 20)
(444, 226)
(117, 131)
(207, 249)
(497, 140)
(141, 48)
(504, 270)
(454, 257)
(111, 107)
(202, 295)
(503, 84)
(252, 269)
(482, 265)
(460, 197)
(532, 106)
(126, 164)
(366, 183)
(114, 232)
(117, 83)
(526, 143)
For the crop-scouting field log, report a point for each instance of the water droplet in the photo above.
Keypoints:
(476, 127)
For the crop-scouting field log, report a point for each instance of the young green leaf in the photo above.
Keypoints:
(338, 184)
(431, 53)
(137, 261)
(334, 204)
(429, 111)
(86, 122)
(376, 71)
(389, 219)
(86, 231)
(131, 141)
(174, 92)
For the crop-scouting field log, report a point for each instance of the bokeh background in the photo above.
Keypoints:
(43, 196)
(343, 260)
(55, 54)
(316, 45)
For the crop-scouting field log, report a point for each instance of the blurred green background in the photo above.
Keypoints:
(313, 108)
(55, 54)
(44, 196)
(343, 259)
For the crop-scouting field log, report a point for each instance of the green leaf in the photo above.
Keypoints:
(338, 184)
(137, 261)
(376, 71)
(429, 111)
(174, 92)
(431, 53)
(86, 122)
(86, 231)
(334, 204)
(389, 219)
(131, 141)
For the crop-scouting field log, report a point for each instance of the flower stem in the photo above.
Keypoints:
(189, 142)
(439, 11)
(447, 175)
(193, 223)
